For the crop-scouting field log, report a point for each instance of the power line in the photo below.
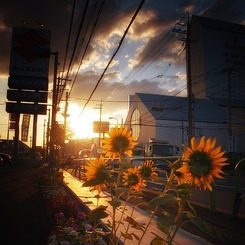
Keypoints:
(120, 43)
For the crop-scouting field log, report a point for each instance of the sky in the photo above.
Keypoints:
(106, 61)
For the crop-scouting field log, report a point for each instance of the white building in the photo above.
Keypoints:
(166, 118)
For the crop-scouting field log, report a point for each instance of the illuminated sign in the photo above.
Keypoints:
(100, 127)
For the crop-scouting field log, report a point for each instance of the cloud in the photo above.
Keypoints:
(149, 49)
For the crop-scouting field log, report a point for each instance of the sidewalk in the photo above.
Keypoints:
(86, 197)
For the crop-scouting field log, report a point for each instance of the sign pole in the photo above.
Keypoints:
(16, 138)
(34, 136)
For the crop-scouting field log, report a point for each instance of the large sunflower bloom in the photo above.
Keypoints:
(119, 143)
(97, 173)
(147, 170)
(202, 163)
(132, 179)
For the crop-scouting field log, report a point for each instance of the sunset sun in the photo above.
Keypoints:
(82, 126)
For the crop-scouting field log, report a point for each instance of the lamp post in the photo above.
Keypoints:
(114, 119)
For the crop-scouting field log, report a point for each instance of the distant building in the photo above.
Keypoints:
(165, 118)
(217, 51)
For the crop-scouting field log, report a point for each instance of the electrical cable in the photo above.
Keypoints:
(120, 43)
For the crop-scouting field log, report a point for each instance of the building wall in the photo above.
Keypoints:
(147, 121)
(217, 58)
(209, 120)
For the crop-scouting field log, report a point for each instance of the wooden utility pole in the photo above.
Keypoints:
(189, 82)
(65, 114)
(184, 30)
(54, 112)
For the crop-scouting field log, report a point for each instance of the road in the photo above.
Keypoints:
(221, 199)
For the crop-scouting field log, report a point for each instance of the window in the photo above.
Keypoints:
(135, 123)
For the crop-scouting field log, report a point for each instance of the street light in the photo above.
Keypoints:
(114, 119)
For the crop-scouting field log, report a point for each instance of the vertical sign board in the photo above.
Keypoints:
(30, 52)
(28, 69)
(25, 127)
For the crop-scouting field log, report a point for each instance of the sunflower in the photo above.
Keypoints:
(119, 143)
(132, 179)
(147, 170)
(202, 163)
(97, 173)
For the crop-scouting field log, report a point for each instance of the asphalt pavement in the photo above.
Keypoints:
(24, 218)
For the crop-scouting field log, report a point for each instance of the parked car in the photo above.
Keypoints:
(7, 159)
(37, 156)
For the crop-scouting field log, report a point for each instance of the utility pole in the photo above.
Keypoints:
(54, 112)
(100, 120)
(65, 114)
(184, 30)
(229, 103)
(189, 82)
(48, 135)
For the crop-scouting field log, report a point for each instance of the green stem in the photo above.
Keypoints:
(167, 187)
(178, 219)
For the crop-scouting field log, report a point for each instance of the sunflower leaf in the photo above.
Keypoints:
(206, 227)
(91, 182)
(162, 200)
(157, 241)
(132, 222)
(115, 203)
(98, 213)
(166, 220)
(163, 228)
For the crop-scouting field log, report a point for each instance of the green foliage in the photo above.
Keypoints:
(157, 241)
(206, 227)
(97, 214)
(165, 221)
(162, 200)
(133, 223)
(91, 182)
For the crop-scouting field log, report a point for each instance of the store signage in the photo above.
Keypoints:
(30, 52)
(28, 96)
(25, 127)
(100, 127)
(31, 83)
(26, 108)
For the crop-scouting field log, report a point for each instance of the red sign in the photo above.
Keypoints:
(12, 125)
(30, 52)
(12, 117)
(25, 127)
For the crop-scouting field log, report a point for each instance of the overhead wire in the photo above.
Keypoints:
(88, 42)
(76, 43)
(69, 36)
(120, 44)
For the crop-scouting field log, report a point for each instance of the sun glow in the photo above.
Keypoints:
(82, 126)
